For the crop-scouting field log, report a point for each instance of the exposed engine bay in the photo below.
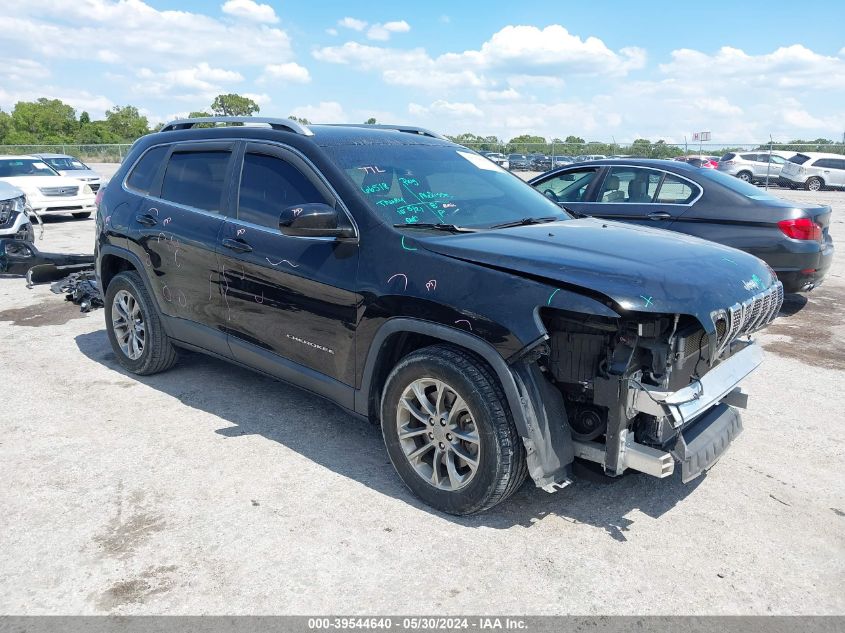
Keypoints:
(650, 390)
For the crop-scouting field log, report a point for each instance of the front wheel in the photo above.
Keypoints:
(134, 327)
(814, 184)
(744, 176)
(449, 433)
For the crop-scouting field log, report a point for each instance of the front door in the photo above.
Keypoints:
(286, 297)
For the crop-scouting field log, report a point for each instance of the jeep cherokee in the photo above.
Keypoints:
(490, 333)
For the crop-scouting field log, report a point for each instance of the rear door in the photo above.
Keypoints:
(637, 195)
(286, 297)
(179, 223)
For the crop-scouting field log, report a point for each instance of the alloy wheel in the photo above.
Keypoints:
(438, 434)
(128, 325)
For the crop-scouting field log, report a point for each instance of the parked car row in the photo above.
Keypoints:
(52, 183)
(793, 239)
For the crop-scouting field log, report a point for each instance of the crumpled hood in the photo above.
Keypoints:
(640, 268)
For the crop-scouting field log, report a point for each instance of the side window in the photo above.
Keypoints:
(637, 185)
(268, 185)
(676, 191)
(749, 157)
(196, 179)
(568, 187)
(839, 163)
(777, 160)
(145, 170)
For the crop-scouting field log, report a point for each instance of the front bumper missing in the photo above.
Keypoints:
(698, 447)
(688, 403)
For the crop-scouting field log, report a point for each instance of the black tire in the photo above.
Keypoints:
(81, 215)
(159, 353)
(814, 183)
(502, 464)
(745, 176)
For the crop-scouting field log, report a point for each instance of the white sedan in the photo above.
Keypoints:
(47, 191)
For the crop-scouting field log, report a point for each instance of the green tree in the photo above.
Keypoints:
(574, 140)
(97, 132)
(299, 119)
(199, 114)
(84, 118)
(42, 121)
(234, 105)
(370, 121)
(5, 125)
(126, 123)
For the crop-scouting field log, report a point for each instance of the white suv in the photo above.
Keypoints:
(814, 171)
(46, 191)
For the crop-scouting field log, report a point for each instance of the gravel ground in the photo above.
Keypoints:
(210, 489)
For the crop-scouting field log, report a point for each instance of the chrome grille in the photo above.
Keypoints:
(747, 317)
(59, 191)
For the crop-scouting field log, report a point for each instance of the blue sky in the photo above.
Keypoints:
(600, 70)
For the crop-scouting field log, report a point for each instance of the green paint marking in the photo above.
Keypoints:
(551, 296)
(405, 247)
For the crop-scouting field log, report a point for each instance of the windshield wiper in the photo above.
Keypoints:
(437, 226)
(525, 222)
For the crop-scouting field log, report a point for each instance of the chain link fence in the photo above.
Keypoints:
(86, 153)
(649, 150)
(114, 153)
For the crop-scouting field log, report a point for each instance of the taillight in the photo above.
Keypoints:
(801, 229)
(99, 197)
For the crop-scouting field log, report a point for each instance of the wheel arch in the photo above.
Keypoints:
(537, 409)
(114, 260)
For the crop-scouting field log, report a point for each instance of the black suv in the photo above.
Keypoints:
(413, 282)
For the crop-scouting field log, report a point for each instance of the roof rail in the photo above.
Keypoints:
(410, 129)
(277, 124)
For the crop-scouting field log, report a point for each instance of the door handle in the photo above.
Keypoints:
(659, 215)
(239, 246)
(146, 219)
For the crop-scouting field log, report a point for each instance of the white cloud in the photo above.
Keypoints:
(508, 94)
(95, 105)
(331, 32)
(249, 10)
(185, 83)
(442, 108)
(108, 57)
(793, 66)
(352, 23)
(261, 99)
(383, 32)
(22, 70)
(324, 112)
(290, 71)
(408, 67)
(444, 19)
(170, 39)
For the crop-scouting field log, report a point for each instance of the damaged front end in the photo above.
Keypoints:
(647, 391)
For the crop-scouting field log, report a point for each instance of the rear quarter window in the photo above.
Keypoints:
(799, 159)
(144, 172)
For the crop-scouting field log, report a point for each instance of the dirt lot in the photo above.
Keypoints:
(210, 489)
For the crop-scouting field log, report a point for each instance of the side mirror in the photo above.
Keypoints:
(314, 219)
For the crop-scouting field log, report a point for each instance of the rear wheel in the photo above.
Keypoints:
(814, 184)
(134, 327)
(448, 431)
(745, 176)
(82, 215)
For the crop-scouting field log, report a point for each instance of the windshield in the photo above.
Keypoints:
(735, 184)
(11, 167)
(413, 184)
(66, 163)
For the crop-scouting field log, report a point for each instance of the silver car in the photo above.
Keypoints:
(814, 171)
(754, 166)
(73, 168)
(14, 221)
